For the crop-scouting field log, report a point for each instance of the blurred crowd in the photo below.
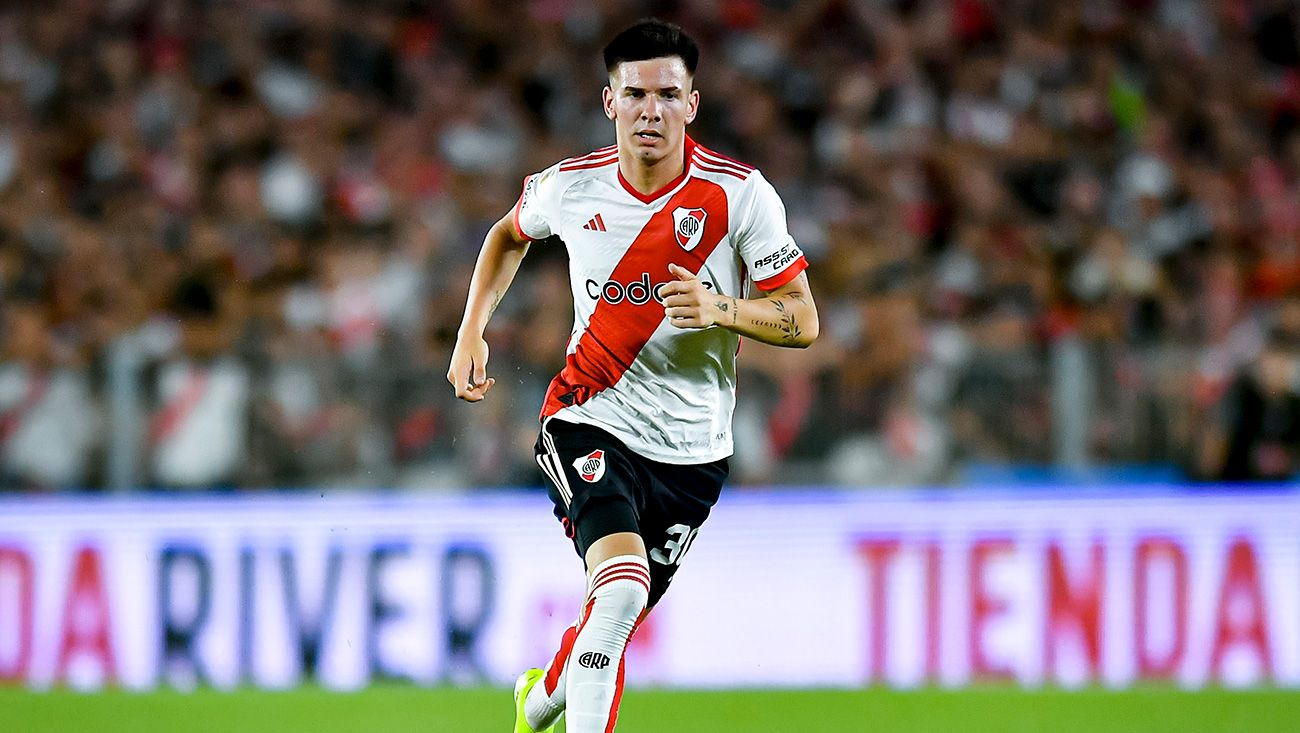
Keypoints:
(236, 235)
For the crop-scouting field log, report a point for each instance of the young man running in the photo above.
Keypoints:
(664, 236)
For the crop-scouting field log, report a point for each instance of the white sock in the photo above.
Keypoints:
(545, 701)
(617, 594)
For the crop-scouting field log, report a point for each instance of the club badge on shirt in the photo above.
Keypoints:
(688, 226)
(591, 467)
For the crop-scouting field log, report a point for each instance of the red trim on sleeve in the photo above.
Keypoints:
(519, 204)
(590, 164)
(699, 164)
(589, 157)
(790, 272)
(710, 153)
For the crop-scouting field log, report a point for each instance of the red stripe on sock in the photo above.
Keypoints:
(618, 696)
(620, 571)
(623, 572)
(619, 567)
(556, 668)
(642, 579)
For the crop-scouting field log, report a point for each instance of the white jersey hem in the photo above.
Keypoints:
(648, 450)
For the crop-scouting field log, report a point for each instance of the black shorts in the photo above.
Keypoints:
(600, 487)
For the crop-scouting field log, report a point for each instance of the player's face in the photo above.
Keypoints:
(651, 102)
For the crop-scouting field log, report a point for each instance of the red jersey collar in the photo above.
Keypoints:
(687, 150)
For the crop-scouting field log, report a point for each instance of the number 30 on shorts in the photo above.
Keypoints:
(680, 539)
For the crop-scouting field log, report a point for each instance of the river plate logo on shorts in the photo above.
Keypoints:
(688, 226)
(591, 467)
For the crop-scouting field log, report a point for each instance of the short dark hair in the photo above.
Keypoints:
(651, 39)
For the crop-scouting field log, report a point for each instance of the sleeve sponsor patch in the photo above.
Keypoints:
(776, 261)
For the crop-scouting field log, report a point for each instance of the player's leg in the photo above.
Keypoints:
(596, 505)
(626, 579)
(618, 588)
(539, 693)
(545, 698)
(586, 674)
(541, 699)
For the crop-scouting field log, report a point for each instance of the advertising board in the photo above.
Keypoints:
(778, 589)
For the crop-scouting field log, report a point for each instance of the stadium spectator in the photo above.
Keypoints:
(1121, 174)
(198, 430)
(1255, 431)
(49, 421)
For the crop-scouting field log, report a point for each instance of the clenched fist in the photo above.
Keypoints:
(468, 370)
(688, 304)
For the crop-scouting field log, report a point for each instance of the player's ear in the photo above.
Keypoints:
(692, 105)
(607, 98)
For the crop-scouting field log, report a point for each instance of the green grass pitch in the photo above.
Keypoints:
(414, 710)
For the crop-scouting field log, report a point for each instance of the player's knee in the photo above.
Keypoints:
(623, 599)
(619, 590)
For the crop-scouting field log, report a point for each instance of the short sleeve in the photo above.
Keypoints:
(763, 240)
(536, 205)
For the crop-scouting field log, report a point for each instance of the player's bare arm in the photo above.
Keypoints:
(784, 316)
(503, 249)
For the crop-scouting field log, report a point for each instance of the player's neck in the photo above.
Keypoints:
(650, 178)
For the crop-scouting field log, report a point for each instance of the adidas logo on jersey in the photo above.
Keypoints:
(596, 224)
(591, 467)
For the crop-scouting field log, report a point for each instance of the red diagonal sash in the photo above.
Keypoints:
(10, 421)
(616, 333)
(173, 414)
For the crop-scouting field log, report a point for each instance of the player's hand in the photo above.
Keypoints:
(688, 304)
(468, 370)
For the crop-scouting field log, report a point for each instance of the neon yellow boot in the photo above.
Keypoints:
(522, 686)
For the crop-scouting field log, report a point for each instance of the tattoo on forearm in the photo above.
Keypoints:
(731, 305)
(790, 331)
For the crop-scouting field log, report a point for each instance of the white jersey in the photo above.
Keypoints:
(666, 392)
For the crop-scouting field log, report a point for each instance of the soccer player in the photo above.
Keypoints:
(664, 236)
